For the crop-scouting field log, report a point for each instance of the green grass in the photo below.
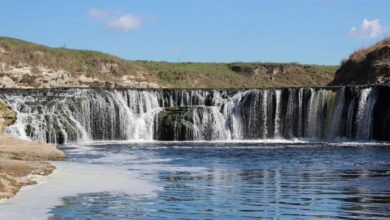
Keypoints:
(186, 74)
(183, 74)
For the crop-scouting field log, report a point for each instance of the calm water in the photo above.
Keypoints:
(239, 181)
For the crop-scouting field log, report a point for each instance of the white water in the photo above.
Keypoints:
(334, 128)
(364, 121)
(84, 115)
(278, 94)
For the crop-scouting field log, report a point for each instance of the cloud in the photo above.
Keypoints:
(368, 29)
(116, 20)
(125, 22)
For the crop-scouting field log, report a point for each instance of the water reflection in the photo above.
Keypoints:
(252, 182)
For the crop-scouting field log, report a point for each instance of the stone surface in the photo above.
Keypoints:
(7, 116)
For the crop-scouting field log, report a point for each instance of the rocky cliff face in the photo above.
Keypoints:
(7, 116)
(372, 68)
(269, 69)
(24, 75)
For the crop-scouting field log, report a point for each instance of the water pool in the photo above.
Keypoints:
(237, 181)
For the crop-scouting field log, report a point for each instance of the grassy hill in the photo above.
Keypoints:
(369, 65)
(24, 64)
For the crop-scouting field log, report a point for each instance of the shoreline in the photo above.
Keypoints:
(71, 179)
(21, 160)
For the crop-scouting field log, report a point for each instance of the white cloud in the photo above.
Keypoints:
(125, 22)
(368, 29)
(116, 20)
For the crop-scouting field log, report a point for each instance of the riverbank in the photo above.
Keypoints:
(19, 159)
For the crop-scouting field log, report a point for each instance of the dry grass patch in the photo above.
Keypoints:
(361, 53)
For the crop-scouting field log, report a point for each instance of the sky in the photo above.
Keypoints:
(304, 31)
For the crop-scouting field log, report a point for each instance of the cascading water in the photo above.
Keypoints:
(364, 119)
(76, 115)
(79, 115)
(277, 113)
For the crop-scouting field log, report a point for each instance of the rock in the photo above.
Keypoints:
(7, 116)
(171, 124)
(3, 50)
(266, 70)
(372, 68)
(184, 123)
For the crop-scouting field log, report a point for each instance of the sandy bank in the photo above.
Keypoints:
(21, 158)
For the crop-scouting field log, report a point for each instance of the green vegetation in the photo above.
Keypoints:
(108, 68)
(189, 74)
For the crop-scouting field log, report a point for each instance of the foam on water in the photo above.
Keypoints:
(265, 141)
(71, 179)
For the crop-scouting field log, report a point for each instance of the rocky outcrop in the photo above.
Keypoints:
(373, 68)
(186, 123)
(381, 126)
(7, 116)
(25, 75)
(270, 70)
(174, 123)
(28, 65)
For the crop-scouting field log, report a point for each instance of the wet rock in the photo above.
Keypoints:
(7, 116)
(174, 124)
(185, 123)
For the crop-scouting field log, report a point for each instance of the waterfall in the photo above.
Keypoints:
(335, 117)
(364, 114)
(278, 94)
(300, 112)
(312, 118)
(265, 103)
(81, 115)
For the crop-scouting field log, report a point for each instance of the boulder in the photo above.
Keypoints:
(7, 116)
(187, 123)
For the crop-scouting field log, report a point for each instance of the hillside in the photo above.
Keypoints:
(29, 65)
(369, 65)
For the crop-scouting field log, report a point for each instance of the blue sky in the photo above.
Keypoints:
(305, 31)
